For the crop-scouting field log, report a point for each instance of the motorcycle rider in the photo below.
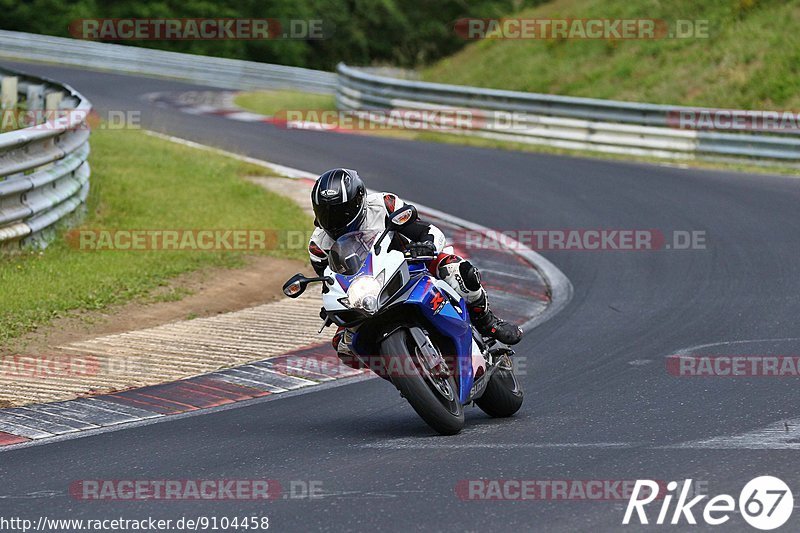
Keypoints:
(341, 205)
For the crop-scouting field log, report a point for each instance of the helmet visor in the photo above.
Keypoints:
(335, 218)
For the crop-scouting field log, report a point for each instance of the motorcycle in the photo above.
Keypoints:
(417, 326)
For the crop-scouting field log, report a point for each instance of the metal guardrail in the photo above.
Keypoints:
(564, 122)
(205, 70)
(44, 175)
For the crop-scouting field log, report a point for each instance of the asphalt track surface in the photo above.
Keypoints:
(599, 402)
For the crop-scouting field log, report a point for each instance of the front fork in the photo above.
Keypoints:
(435, 363)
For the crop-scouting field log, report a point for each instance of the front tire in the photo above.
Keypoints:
(503, 395)
(437, 402)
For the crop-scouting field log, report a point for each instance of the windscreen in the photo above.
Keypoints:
(350, 251)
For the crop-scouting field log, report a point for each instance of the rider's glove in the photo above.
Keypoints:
(421, 249)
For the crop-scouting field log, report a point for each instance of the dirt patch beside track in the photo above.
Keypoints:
(204, 293)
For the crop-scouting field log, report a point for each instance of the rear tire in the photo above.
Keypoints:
(445, 415)
(503, 395)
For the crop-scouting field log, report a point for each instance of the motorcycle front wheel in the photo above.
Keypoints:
(434, 398)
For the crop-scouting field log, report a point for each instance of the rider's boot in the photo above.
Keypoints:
(465, 278)
(341, 343)
(489, 325)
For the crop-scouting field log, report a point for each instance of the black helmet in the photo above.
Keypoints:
(339, 200)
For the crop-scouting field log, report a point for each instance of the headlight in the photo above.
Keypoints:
(364, 291)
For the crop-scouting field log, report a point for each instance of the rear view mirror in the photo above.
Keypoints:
(403, 216)
(295, 286)
(397, 219)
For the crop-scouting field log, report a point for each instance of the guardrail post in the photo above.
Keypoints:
(8, 88)
(52, 101)
(35, 97)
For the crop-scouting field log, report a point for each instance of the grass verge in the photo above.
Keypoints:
(150, 184)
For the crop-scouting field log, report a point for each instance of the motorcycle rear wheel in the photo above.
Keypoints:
(503, 395)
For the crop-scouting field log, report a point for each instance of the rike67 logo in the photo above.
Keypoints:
(765, 503)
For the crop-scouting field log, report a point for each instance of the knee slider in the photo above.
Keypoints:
(471, 276)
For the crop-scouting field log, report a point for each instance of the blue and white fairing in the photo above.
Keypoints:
(435, 301)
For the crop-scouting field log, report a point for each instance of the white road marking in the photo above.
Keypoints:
(245, 116)
(783, 435)
(425, 444)
(690, 350)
